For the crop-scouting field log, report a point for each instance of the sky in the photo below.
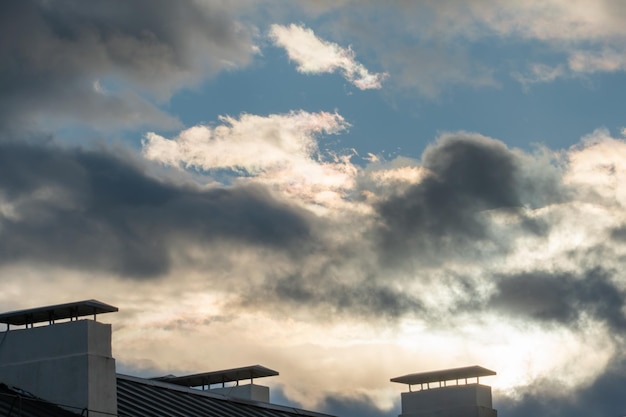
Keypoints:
(344, 191)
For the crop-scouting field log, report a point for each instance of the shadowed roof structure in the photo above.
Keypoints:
(220, 377)
(17, 402)
(69, 368)
(468, 399)
(51, 313)
(444, 375)
(152, 398)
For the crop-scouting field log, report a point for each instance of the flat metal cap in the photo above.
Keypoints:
(444, 375)
(56, 312)
(219, 377)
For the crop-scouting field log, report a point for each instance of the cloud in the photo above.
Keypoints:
(559, 297)
(428, 225)
(430, 46)
(355, 406)
(548, 397)
(334, 291)
(473, 235)
(577, 31)
(392, 233)
(263, 236)
(540, 73)
(580, 63)
(136, 52)
(445, 213)
(91, 210)
(251, 143)
(607, 60)
(280, 150)
(315, 56)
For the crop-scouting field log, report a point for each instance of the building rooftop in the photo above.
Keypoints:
(152, 398)
(51, 313)
(220, 377)
(444, 375)
(16, 402)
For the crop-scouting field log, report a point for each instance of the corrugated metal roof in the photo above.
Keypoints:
(15, 402)
(138, 397)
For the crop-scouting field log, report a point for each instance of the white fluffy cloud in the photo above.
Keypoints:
(280, 150)
(251, 143)
(314, 56)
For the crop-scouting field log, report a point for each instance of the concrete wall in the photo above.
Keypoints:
(248, 392)
(471, 400)
(68, 363)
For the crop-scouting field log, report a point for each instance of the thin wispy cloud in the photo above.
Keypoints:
(539, 73)
(317, 56)
(433, 41)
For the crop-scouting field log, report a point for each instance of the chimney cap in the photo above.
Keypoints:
(56, 312)
(219, 377)
(444, 375)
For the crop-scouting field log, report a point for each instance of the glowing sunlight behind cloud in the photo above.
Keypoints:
(251, 143)
(279, 150)
(465, 204)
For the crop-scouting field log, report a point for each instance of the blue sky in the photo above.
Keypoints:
(318, 185)
(555, 114)
(392, 122)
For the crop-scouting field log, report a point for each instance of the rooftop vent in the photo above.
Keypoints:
(68, 363)
(444, 376)
(50, 314)
(456, 392)
(208, 380)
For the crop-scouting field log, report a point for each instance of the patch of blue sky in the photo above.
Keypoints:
(556, 114)
(272, 85)
(389, 123)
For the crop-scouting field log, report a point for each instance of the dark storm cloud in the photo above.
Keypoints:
(443, 214)
(561, 298)
(335, 279)
(91, 210)
(604, 397)
(363, 298)
(619, 234)
(330, 278)
(447, 215)
(52, 53)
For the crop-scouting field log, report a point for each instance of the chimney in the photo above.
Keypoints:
(68, 363)
(236, 378)
(447, 393)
